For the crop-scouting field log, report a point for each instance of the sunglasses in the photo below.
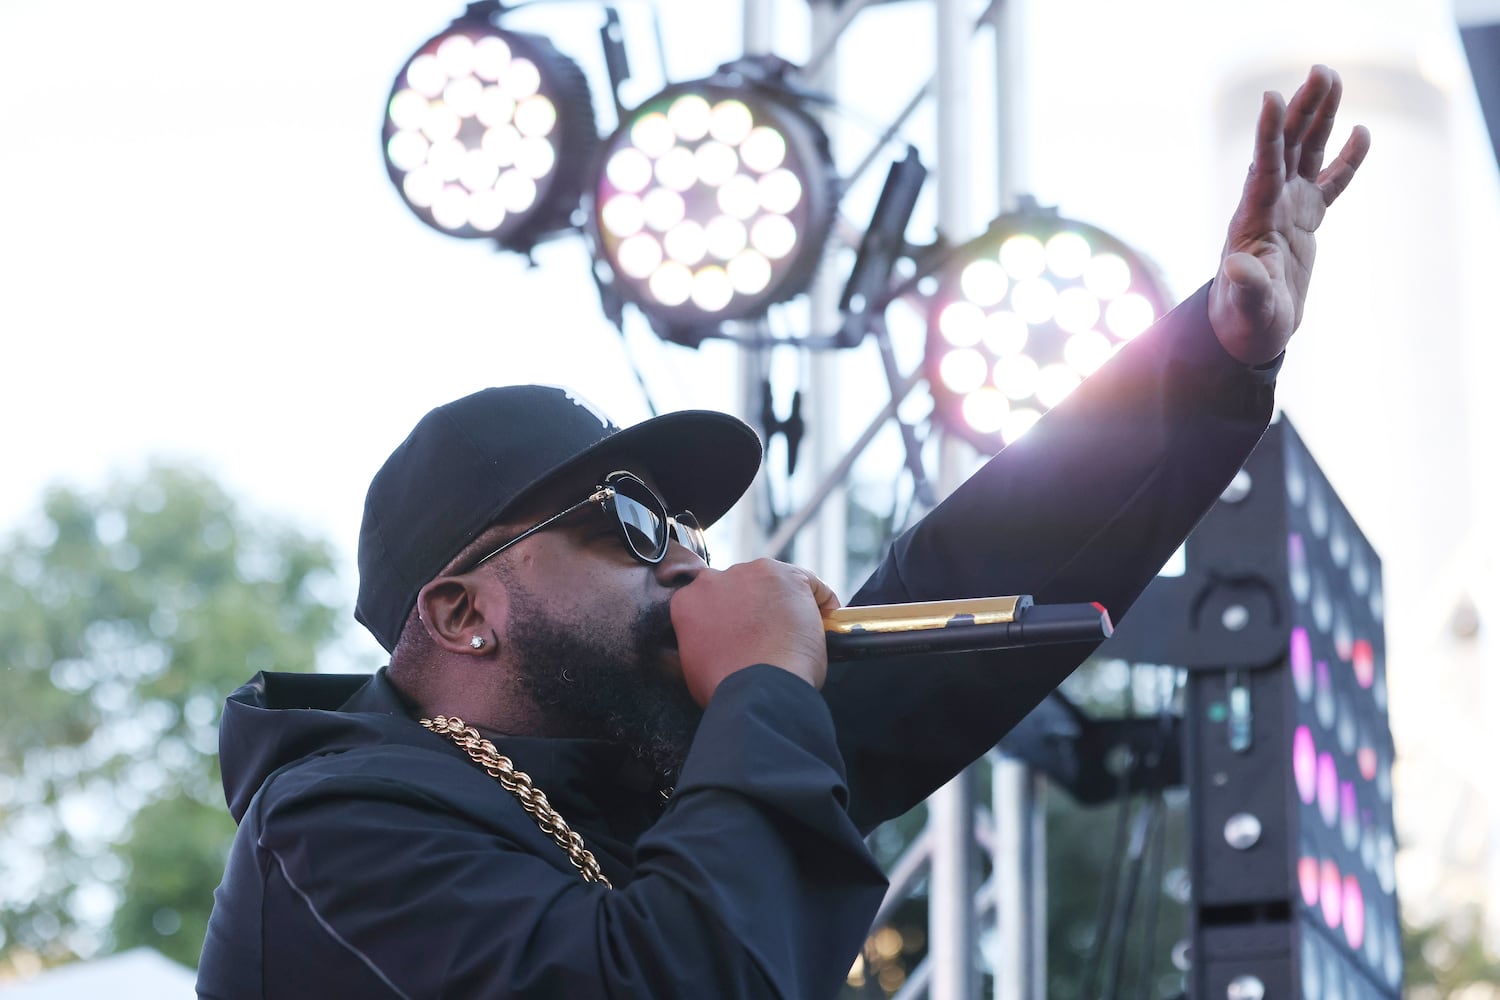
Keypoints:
(639, 515)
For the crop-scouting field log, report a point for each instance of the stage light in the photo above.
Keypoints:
(1044, 301)
(1306, 661)
(489, 133)
(715, 199)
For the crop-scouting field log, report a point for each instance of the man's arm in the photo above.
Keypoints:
(1094, 499)
(1086, 507)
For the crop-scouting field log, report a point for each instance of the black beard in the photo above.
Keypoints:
(593, 685)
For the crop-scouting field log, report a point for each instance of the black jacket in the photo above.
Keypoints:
(374, 859)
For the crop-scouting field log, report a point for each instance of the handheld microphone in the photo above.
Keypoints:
(960, 626)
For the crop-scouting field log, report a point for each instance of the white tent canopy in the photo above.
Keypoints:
(137, 974)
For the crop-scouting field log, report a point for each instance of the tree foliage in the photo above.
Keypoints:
(126, 616)
(1449, 958)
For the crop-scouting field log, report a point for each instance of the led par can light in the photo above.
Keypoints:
(1023, 314)
(714, 201)
(490, 134)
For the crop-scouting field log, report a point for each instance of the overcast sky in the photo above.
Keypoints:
(201, 255)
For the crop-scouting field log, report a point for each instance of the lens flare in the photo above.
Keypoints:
(984, 282)
(962, 324)
(1068, 255)
(1023, 257)
(985, 410)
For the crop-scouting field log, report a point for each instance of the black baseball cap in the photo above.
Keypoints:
(470, 462)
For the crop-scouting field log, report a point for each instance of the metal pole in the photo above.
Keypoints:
(834, 474)
(751, 512)
(952, 931)
(826, 39)
(1019, 860)
(1012, 125)
(824, 547)
(1020, 824)
(759, 26)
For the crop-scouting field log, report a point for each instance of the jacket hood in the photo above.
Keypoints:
(278, 719)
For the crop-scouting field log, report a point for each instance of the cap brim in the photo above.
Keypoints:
(701, 460)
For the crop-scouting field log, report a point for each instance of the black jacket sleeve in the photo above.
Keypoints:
(396, 871)
(1086, 507)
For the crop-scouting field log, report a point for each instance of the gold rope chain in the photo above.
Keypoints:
(518, 783)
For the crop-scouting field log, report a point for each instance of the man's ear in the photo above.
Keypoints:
(455, 614)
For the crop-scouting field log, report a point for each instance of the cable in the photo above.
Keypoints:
(1107, 896)
(1158, 860)
(635, 369)
(1147, 819)
(1153, 904)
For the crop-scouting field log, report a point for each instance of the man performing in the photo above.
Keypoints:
(596, 767)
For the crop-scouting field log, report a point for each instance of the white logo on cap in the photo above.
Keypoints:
(578, 400)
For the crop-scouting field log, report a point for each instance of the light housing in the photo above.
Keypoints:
(1287, 715)
(1023, 314)
(489, 134)
(714, 200)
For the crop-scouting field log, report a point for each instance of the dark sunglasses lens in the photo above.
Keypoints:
(642, 517)
(685, 527)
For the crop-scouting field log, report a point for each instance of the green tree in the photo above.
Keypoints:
(126, 616)
(1448, 958)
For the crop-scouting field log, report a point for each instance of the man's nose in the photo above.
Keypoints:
(680, 566)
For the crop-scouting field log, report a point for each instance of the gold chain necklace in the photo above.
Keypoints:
(498, 766)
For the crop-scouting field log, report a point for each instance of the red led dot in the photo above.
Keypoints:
(1364, 662)
(1307, 879)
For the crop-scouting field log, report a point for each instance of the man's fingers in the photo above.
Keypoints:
(1340, 172)
(1263, 185)
(1321, 127)
(1301, 113)
(822, 593)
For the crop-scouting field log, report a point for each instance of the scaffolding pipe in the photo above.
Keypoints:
(952, 936)
(751, 514)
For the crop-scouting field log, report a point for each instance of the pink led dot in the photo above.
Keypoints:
(1331, 893)
(1354, 912)
(1367, 762)
(1305, 765)
(1301, 656)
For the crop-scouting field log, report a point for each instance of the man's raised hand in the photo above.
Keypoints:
(1257, 299)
